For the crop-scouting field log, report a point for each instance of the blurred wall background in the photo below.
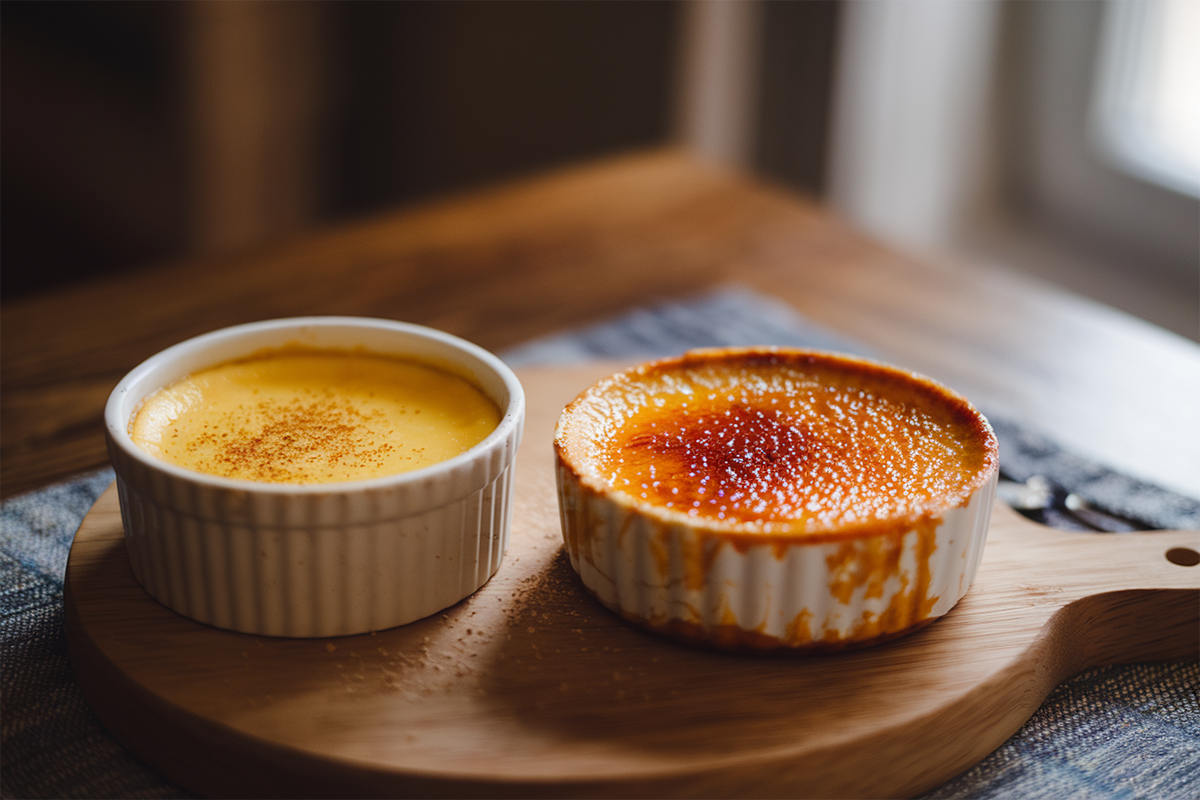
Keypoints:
(132, 133)
(137, 132)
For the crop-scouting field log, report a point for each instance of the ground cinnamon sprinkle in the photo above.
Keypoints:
(329, 432)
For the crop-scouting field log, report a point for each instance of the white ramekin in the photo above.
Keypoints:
(327, 559)
(746, 588)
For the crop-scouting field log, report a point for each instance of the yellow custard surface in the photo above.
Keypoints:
(313, 416)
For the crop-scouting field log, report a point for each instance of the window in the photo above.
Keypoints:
(1054, 138)
(1146, 113)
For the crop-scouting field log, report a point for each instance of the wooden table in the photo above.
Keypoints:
(508, 263)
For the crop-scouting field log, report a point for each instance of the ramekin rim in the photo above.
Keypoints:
(509, 427)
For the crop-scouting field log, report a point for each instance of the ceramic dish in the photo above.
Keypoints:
(773, 499)
(322, 559)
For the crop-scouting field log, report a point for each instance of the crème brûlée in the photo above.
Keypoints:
(772, 498)
(299, 416)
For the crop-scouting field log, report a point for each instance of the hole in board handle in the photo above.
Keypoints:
(1183, 556)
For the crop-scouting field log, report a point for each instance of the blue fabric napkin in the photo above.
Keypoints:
(1112, 732)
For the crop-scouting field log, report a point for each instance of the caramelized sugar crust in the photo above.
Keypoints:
(779, 440)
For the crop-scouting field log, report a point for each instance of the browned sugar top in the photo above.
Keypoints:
(811, 443)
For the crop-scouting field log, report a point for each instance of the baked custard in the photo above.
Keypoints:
(774, 498)
(300, 416)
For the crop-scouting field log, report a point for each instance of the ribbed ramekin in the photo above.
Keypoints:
(325, 559)
(746, 588)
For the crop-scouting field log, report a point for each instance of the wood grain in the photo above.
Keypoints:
(530, 688)
(504, 264)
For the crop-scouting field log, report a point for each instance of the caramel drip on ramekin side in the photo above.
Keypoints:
(720, 468)
(911, 603)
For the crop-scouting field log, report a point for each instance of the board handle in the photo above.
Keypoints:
(1123, 597)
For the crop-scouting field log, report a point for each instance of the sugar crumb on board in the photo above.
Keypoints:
(551, 628)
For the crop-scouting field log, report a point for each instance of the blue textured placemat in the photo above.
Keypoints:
(51, 744)
(1112, 732)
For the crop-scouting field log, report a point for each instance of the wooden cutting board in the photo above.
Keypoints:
(530, 688)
